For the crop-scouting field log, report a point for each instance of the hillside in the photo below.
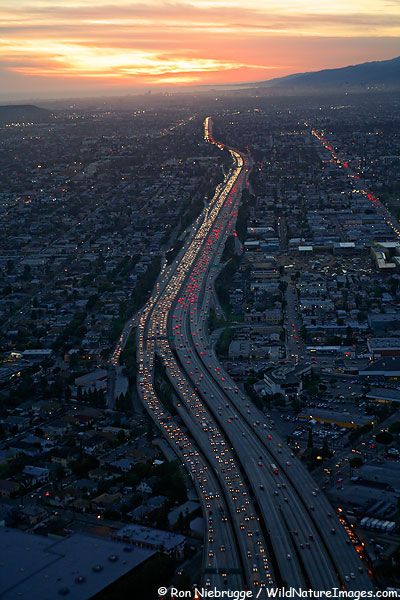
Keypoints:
(385, 73)
(23, 113)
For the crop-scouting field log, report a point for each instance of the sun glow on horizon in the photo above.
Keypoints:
(204, 41)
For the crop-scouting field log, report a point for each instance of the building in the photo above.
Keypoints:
(386, 475)
(388, 367)
(285, 379)
(36, 474)
(384, 346)
(187, 509)
(95, 380)
(386, 254)
(106, 501)
(341, 419)
(331, 350)
(78, 566)
(38, 354)
(8, 488)
(124, 465)
(384, 322)
(167, 542)
(241, 350)
(383, 395)
(145, 510)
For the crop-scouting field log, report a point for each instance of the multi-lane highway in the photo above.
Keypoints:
(221, 490)
(359, 185)
(259, 501)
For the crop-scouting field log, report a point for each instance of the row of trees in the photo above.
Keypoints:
(139, 296)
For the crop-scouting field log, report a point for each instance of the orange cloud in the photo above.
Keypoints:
(157, 42)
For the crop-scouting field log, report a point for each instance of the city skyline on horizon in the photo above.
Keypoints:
(53, 50)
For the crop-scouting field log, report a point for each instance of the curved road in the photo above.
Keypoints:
(282, 528)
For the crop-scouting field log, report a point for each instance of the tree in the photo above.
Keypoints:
(26, 273)
(303, 333)
(60, 472)
(310, 441)
(356, 462)
(395, 427)
(112, 514)
(325, 450)
(149, 432)
(229, 249)
(124, 403)
(224, 340)
(296, 404)
(141, 469)
(384, 437)
(81, 467)
(10, 266)
(162, 517)
(283, 286)
(180, 524)
(279, 400)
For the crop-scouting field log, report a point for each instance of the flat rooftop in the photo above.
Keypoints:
(362, 496)
(335, 416)
(41, 568)
(389, 365)
(391, 395)
(157, 538)
(384, 343)
(388, 473)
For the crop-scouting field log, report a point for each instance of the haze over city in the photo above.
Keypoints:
(50, 48)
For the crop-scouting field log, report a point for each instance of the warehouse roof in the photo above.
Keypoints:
(78, 566)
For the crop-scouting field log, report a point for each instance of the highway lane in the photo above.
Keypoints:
(208, 436)
(346, 559)
(246, 458)
(251, 542)
(250, 454)
(281, 539)
(224, 568)
(151, 327)
(290, 567)
(294, 474)
(297, 530)
(332, 559)
(209, 489)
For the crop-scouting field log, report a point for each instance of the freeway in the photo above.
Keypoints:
(284, 528)
(225, 568)
(320, 543)
(244, 538)
(302, 509)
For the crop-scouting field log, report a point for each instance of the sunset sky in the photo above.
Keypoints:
(54, 48)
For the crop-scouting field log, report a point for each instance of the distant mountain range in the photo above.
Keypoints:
(384, 73)
(378, 75)
(23, 113)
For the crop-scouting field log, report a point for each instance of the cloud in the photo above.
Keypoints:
(201, 40)
(74, 60)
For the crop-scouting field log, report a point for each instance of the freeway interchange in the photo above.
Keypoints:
(267, 522)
